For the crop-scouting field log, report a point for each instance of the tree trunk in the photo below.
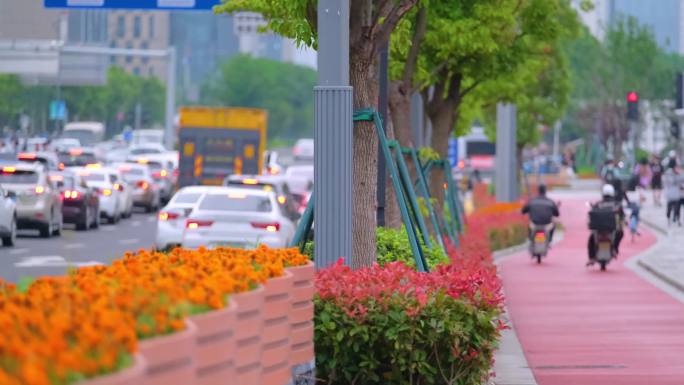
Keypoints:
(363, 74)
(392, 213)
(400, 111)
(442, 120)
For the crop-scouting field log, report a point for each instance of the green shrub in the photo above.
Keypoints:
(394, 246)
(393, 325)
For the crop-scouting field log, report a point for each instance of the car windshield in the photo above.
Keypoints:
(299, 171)
(238, 201)
(85, 137)
(253, 185)
(95, 177)
(133, 174)
(11, 176)
(69, 182)
(187, 197)
(76, 159)
(142, 151)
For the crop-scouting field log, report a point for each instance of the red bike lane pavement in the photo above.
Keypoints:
(581, 326)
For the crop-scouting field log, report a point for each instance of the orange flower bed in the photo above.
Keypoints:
(62, 330)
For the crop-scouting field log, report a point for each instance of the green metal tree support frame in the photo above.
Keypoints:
(406, 196)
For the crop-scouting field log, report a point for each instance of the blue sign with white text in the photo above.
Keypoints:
(133, 4)
(452, 152)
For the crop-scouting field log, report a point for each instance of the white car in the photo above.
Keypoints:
(304, 149)
(237, 217)
(146, 149)
(104, 181)
(125, 193)
(162, 173)
(8, 218)
(300, 178)
(171, 219)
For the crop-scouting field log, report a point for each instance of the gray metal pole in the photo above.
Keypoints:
(333, 125)
(138, 116)
(170, 134)
(506, 174)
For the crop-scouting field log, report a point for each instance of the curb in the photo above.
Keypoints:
(648, 267)
(663, 277)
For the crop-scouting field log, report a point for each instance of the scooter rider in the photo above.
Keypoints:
(608, 200)
(541, 211)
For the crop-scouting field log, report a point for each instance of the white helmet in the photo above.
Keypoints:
(608, 190)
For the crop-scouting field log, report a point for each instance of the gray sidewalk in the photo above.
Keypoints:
(666, 259)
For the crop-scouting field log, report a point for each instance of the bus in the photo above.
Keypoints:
(217, 142)
(87, 133)
(474, 152)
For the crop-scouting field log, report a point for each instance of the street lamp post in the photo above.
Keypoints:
(333, 124)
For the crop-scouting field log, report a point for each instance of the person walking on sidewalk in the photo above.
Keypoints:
(656, 179)
(642, 177)
(672, 183)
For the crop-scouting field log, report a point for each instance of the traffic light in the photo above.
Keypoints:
(674, 129)
(632, 106)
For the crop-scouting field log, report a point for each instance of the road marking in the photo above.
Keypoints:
(135, 223)
(129, 241)
(72, 246)
(52, 261)
(151, 219)
(109, 228)
(18, 251)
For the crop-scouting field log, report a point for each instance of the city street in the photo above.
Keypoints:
(578, 325)
(34, 256)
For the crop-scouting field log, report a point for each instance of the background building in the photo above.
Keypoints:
(140, 30)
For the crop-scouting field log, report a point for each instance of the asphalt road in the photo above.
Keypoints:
(35, 257)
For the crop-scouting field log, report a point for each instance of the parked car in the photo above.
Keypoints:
(80, 203)
(278, 184)
(171, 218)
(102, 180)
(8, 218)
(237, 217)
(38, 204)
(48, 159)
(145, 189)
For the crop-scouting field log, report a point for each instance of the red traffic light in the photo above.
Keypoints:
(632, 97)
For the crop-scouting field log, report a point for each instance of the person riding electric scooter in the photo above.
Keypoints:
(605, 222)
(541, 211)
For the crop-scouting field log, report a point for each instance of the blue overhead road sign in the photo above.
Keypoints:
(133, 4)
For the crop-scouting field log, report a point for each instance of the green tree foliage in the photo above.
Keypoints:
(119, 96)
(11, 91)
(285, 90)
(603, 72)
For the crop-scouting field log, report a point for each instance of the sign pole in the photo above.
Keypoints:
(506, 174)
(333, 124)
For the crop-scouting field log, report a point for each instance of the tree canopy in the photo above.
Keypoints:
(285, 90)
(603, 72)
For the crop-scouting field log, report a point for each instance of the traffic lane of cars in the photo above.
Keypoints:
(33, 256)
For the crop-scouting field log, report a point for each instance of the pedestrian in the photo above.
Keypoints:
(672, 190)
(634, 208)
(656, 179)
(642, 174)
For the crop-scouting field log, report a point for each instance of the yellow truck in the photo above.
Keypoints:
(215, 142)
